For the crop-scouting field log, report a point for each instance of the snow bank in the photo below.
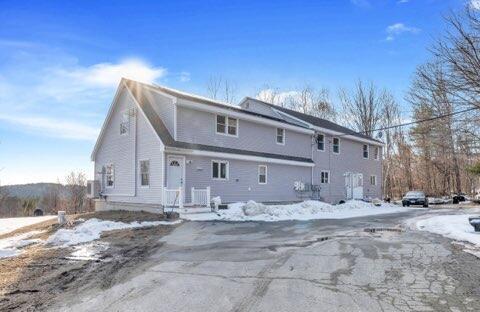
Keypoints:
(88, 251)
(455, 227)
(91, 230)
(308, 210)
(8, 225)
(11, 246)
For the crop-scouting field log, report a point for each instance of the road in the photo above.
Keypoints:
(323, 265)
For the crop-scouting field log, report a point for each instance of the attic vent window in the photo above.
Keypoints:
(125, 124)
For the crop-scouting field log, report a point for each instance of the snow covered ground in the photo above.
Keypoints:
(91, 230)
(308, 210)
(82, 237)
(11, 224)
(12, 246)
(455, 227)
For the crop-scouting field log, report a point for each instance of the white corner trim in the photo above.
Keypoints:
(239, 157)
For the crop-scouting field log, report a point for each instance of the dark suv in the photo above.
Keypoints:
(415, 198)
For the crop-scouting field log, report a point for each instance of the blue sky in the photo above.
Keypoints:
(60, 61)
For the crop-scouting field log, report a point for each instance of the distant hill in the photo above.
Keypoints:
(32, 189)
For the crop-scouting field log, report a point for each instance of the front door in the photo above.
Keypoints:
(354, 185)
(175, 173)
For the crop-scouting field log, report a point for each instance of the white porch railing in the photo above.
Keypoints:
(173, 197)
(201, 197)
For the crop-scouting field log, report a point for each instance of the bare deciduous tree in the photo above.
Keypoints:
(219, 88)
(363, 106)
(76, 189)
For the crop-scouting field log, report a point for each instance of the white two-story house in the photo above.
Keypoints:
(161, 147)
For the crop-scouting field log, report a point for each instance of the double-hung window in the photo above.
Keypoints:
(227, 125)
(281, 136)
(376, 152)
(144, 172)
(320, 142)
(336, 145)
(110, 175)
(262, 174)
(373, 180)
(325, 177)
(219, 170)
(365, 151)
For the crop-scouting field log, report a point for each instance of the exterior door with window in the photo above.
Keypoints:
(175, 173)
(354, 185)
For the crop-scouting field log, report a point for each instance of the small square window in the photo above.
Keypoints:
(226, 125)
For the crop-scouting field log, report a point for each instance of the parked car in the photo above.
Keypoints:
(457, 198)
(415, 198)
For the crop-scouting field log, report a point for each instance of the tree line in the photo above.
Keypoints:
(69, 196)
(439, 151)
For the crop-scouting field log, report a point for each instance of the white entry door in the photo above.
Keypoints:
(176, 173)
(354, 185)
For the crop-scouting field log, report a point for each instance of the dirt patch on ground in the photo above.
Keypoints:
(32, 281)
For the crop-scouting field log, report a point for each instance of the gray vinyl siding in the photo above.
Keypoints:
(242, 184)
(125, 151)
(196, 126)
(259, 108)
(165, 108)
(350, 159)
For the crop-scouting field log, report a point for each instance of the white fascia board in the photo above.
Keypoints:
(238, 157)
(244, 116)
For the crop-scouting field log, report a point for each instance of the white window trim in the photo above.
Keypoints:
(316, 142)
(339, 145)
(226, 126)
(368, 151)
(140, 173)
(266, 174)
(325, 171)
(376, 155)
(106, 176)
(373, 176)
(284, 136)
(227, 170)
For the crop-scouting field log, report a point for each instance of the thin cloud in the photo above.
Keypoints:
(361, 3)
(64, 99)
(58, 128)
(397, 29)
(475, 4)
(184, 76)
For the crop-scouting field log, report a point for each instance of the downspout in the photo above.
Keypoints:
(135, 119)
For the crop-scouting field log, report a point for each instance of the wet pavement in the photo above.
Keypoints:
(361, 264)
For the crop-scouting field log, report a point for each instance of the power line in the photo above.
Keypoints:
(412, 122)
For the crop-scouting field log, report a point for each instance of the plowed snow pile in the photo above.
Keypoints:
(308, 210)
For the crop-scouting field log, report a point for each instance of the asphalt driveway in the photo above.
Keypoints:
(323, 265)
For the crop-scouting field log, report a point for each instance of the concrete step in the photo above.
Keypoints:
(190, 210)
